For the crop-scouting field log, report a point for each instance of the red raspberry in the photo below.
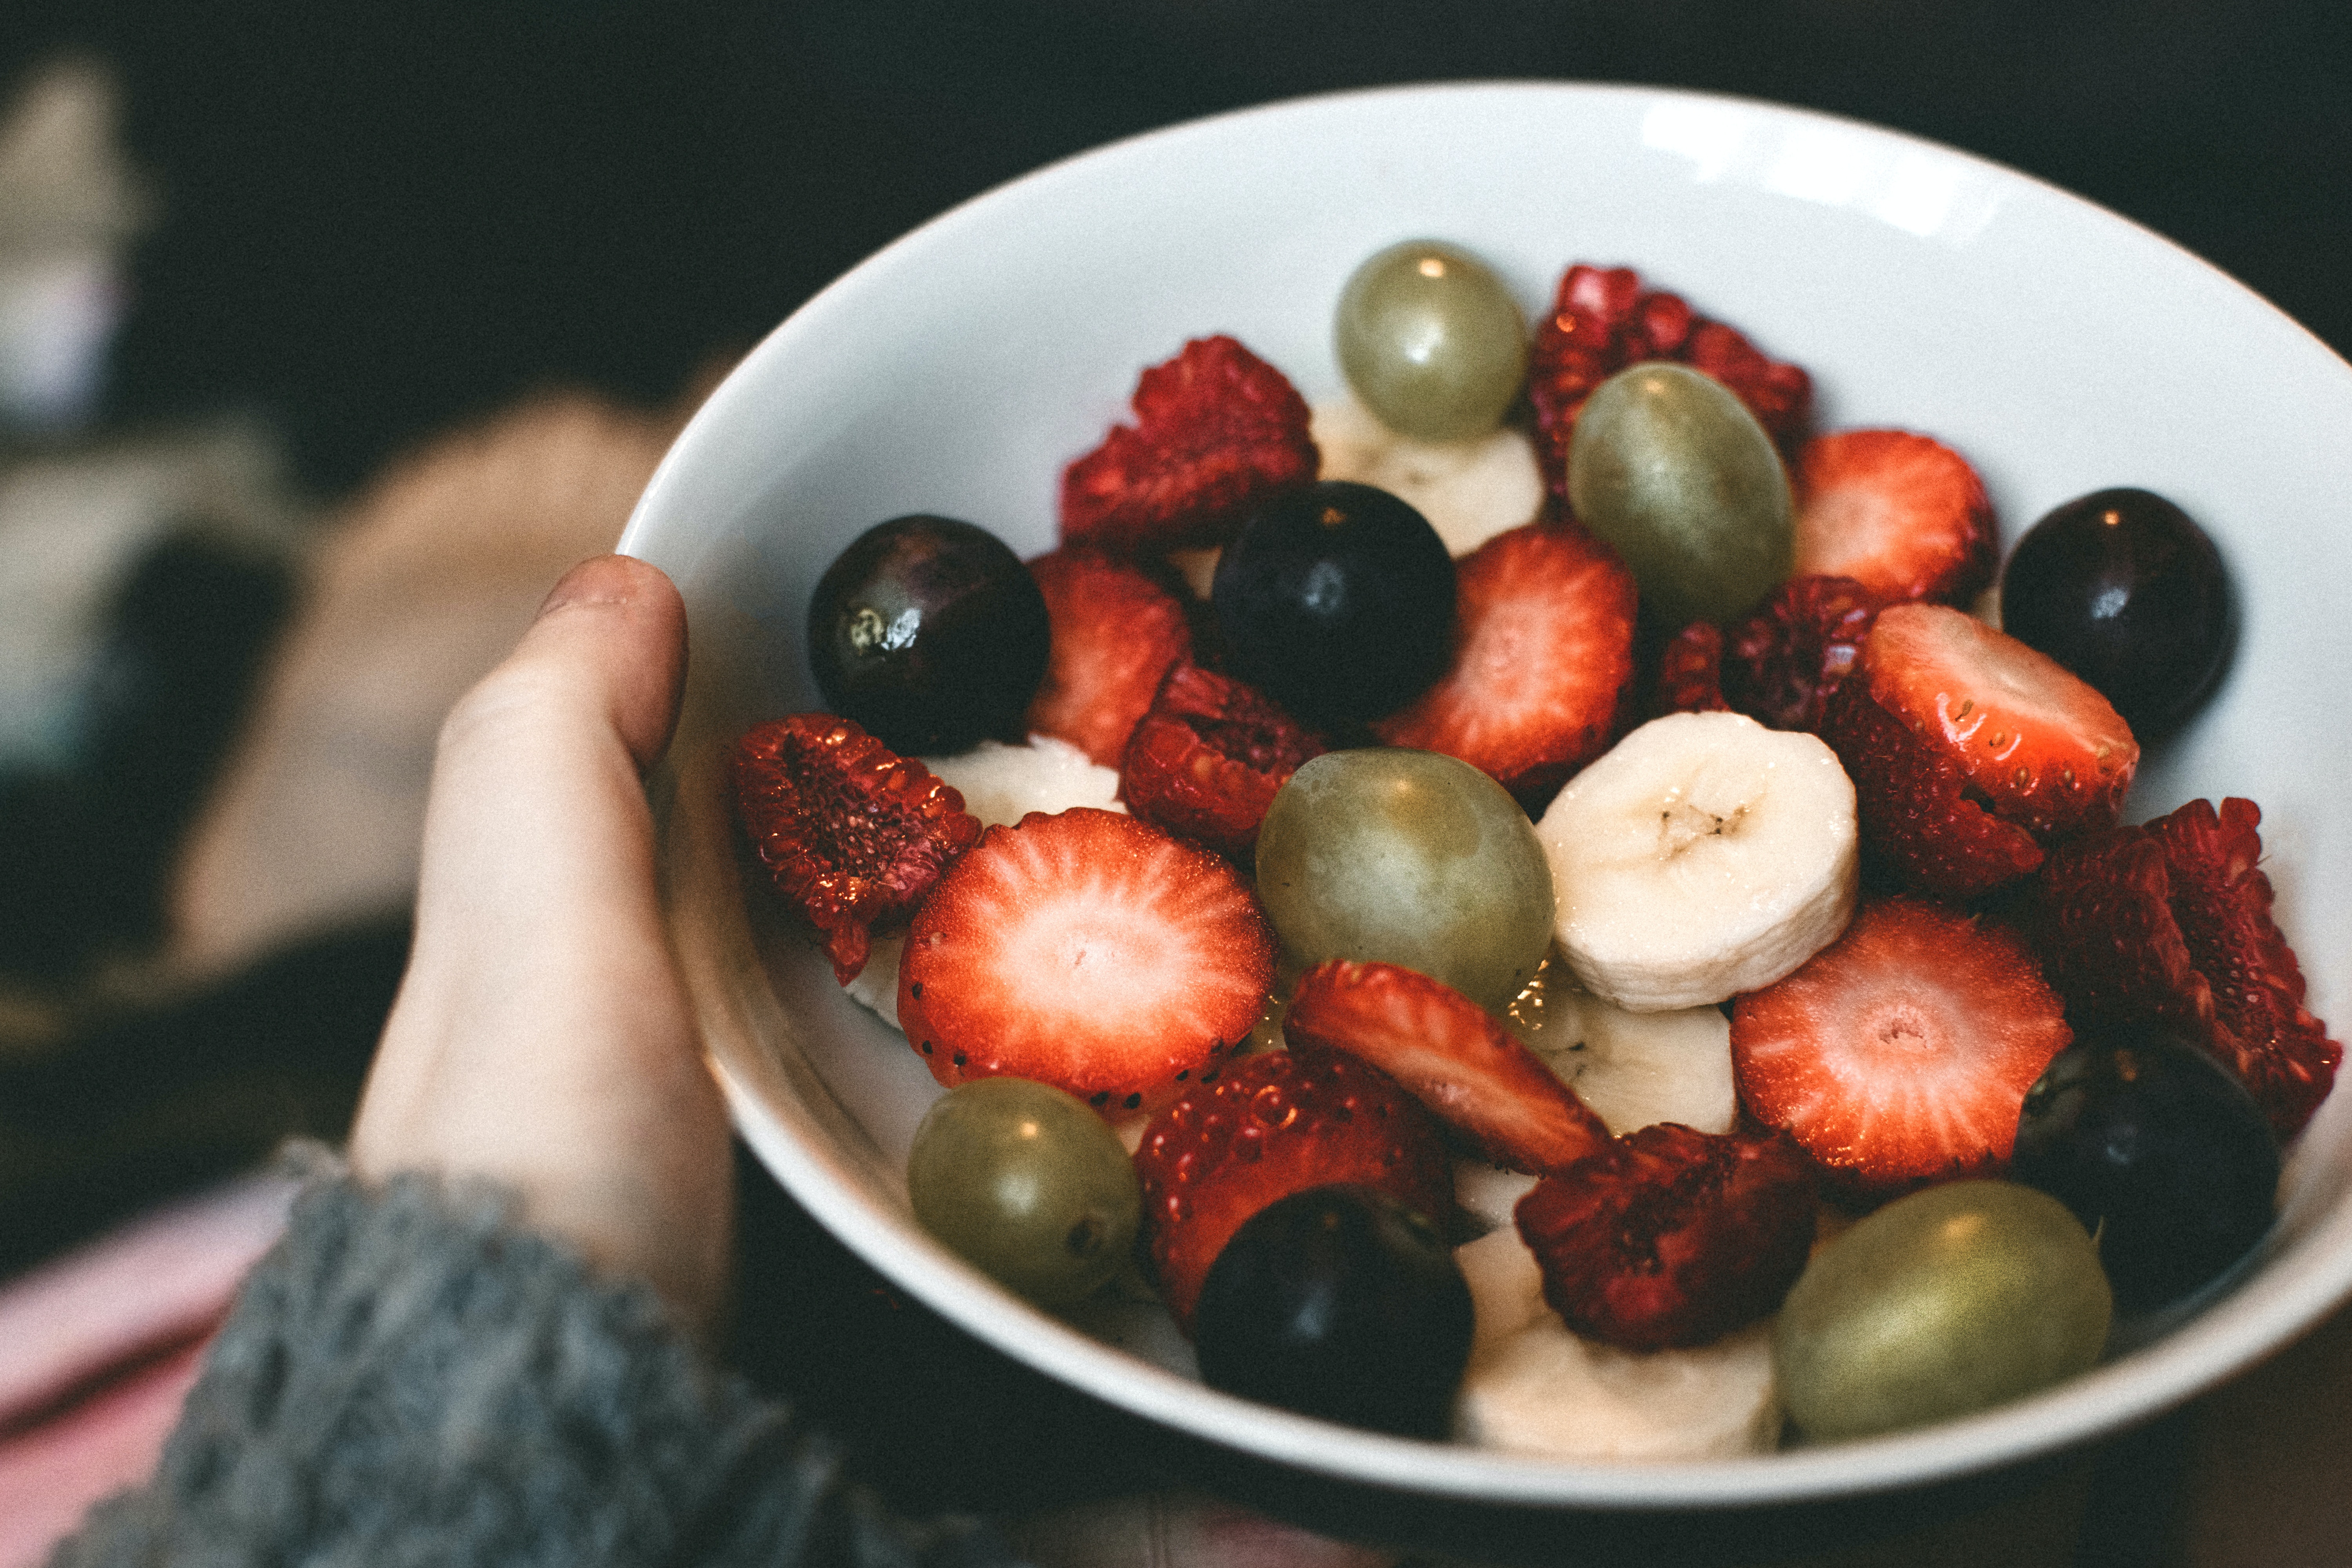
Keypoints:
(1602, 320)
(1671, 1236)
(1207, 759)
(2171, 922)
(851, 832)
(1785, 662)
(1217, 430)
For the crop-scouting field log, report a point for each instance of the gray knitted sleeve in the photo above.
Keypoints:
(408, 1379)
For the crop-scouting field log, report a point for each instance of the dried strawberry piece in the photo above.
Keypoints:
(1217, 430)
(1671, 1236)
(1274, 1124)
(852, 833)
(1116, 634)
(2171, 922)
(1784, 663)
(1206, 760)
(1914, 805)
(1690, 671)
(1602, 320)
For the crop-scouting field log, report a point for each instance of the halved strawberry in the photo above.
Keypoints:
(2171, 922)
(1216, 431)
(2038, 742)
(852, 833)
(1671, 1237)
(1971, 753)
(1914, 808)
(1089, 951)
(1602, 320)
(1117, 633)
(1783, 664)
(1274, 1124)
(1543, 660)
(1453, 1056)
(1900, 1054)
(1207, 759)
(1903, 514)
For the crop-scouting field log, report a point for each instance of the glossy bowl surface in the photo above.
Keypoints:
(2060, 348)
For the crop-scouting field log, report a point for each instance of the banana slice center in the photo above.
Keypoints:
(1685, 824)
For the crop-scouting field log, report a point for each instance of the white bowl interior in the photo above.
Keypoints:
(2058, 347)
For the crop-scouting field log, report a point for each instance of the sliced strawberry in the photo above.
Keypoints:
(852, 833)
(2029, 742)
(2171, 922)
(1453, 1056)
(1117, 633)
(1900, 1053)
(1690, 671)
(1913, 804)
(1603, 320)
(1543, 660)
(1274, 1124)
(1903, 515)
(1671, 1237)
(1784, 663)
(1207, 759)
(1089, 951)
(1216, 431)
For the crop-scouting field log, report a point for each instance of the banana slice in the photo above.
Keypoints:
(1488, 1193)
(1469, 490)
(1534, 1387)
(1632, 1068)
(1000, 784)
(1704, 856)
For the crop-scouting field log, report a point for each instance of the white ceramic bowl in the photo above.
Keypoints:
(2060, 348)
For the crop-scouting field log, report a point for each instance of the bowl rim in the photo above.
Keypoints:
(2302, 1285)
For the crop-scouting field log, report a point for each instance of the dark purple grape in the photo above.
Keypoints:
(930, 633)
(2121, 588)
(1338, 601)
(1341, 1303)
(2159, 1151)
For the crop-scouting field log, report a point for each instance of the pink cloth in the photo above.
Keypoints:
(99, 1347)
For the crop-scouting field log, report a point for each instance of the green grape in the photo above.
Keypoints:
(1430, 341)
(1952, 1299)
(1670, 467)
(1411, 858)
(1027, 1184)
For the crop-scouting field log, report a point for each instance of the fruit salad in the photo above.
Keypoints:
(1526, 905)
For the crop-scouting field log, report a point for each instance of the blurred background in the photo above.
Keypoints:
(329, 335)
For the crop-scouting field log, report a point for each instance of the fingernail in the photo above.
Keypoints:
(599, 580)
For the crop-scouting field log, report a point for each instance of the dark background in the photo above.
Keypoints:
(379, 219)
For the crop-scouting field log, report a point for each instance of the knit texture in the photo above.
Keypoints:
(408, 1379)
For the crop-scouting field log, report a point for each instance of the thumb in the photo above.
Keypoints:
(541, 1036)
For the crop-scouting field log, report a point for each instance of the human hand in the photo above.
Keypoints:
(541, 1037)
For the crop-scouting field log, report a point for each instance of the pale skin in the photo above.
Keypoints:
(542, 1039)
